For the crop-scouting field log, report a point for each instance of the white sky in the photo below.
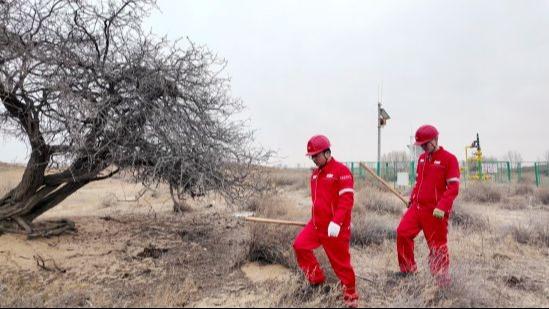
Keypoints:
(308, 67)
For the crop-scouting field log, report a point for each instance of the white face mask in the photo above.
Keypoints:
(430, 147)
(322, 159)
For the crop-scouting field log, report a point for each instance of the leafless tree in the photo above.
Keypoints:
(394, 162)
(514, 158)
(93, 94)
(396, 156)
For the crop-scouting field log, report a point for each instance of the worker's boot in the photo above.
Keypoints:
(308, 290)
(402, 274)
(350, 297)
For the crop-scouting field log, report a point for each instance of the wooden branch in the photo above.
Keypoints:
(384, 183)
(23, 224)
(68, 176)
(41, 263)
(274, 221)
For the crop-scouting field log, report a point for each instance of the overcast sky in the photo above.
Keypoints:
(309, 67)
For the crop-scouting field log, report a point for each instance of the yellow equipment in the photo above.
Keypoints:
(475, 161)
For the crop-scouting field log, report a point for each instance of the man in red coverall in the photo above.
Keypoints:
(429, 207)
(332, 194)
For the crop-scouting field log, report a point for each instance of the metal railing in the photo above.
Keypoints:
(536, 173)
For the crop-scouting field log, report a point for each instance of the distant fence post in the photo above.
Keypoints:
(394, 173)
(509, 171)
(412, 175)
(536, 171)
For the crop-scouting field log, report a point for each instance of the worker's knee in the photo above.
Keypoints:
(298, 246)
(403, 233)
(400, 232)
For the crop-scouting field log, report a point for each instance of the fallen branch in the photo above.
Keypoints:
(109, 218)
(23, 224)
(365, 279)
(90, 255)
(384, 183)
(41, 263)
(52, 228)
(273, 221)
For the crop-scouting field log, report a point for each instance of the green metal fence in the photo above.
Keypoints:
(536, 173)
(541, 170)
(495, 171)
(389, 171)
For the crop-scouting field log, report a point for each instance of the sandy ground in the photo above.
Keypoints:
(130, 253)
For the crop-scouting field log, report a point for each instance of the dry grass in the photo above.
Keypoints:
(519, 202)
(252, 204)
(289, 179)
(468, 290)
(468, 217)
(109, 200)
(379, 202)
(373, 231)
(298, 294)
(523, 189)
(272, 244)
(481, 192)
(543, 195)
(500, 262)
(371, 228)
(534, 233)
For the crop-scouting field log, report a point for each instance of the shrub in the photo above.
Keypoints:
(379, 202)
(468, 217)
(543, 196)
(535, 233)
(481, 192)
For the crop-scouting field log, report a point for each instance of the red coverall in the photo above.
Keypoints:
(332, 194)
(437, 187)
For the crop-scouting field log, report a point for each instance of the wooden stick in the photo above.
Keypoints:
(388, 186)
(273, 221)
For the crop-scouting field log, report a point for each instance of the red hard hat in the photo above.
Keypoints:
(317, 144)
(426, 134)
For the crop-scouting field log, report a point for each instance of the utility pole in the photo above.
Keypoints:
(382, 118)
(378, 137)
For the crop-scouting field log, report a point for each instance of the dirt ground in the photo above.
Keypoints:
(130, 253)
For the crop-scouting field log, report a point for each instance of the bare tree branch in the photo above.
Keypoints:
(89, 90)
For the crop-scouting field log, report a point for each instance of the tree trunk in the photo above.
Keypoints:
(36, 194)
(18, 216)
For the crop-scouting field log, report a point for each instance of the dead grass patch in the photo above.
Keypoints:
(379, 202)
(481, 192)
(535, 232)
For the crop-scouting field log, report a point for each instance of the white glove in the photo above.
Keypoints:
(333, 229)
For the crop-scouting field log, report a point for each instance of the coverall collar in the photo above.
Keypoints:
(435, 152)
